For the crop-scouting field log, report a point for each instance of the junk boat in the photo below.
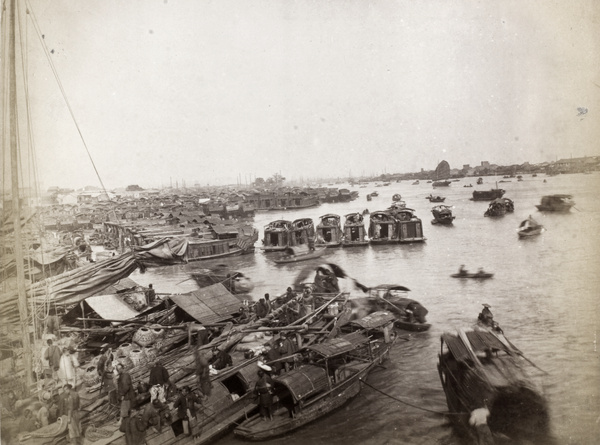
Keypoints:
(492, 390)
(277, 235)
(556, 203)
(354, 230)
(487, 195)
(329, 231)
(442, 215)
(529, 227)
(329, 375)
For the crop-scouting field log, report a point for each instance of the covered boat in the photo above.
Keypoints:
(277, 235)
(499, 207)
(329, 375)
(442, 215)
(410, 227)
(556, 203)
(383, 228)
(529, 227)
(354, 230)
(410, 314)
(492, 389)
(487, 195)
(329, 231)
(479, 181)
(302, 232)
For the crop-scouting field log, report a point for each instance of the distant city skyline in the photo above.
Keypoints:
(221, 92)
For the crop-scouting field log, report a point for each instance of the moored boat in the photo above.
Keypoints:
(302, 232)
(329, 375)
(277, 235)
(354, 230)
(492, 389)
(383, 228)
(487, 195)
(499, 207)
(409, 226)
(556, 203)
(442, 214)
(479, 181)
(296, 254)
(329, 231)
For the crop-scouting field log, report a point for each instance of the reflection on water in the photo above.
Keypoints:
(544, 294)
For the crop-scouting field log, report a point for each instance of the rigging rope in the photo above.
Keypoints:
(443, 413)
(64, 94)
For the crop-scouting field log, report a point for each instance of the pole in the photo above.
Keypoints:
(16, 204)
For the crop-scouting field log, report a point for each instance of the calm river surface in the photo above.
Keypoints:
(544, 294)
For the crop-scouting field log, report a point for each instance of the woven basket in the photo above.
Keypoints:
(93, 434)
(144, 336)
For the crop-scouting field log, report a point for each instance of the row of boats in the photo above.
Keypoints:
(397, 224)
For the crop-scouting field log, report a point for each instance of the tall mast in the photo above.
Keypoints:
(16, 201)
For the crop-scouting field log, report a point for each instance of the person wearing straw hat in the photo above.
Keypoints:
(486, 316)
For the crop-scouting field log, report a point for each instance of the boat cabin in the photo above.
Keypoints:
(354, 230)
(329, 231)
(410, 227)
(556, 203)
(383, 228)
(301, 231)
(277, 235)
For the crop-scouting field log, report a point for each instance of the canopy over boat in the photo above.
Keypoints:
(303, 381)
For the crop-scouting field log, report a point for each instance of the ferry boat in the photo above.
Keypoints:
(354, 230)
(277, 235)
(329, 231)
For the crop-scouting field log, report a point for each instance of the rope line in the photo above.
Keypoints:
(443, 413)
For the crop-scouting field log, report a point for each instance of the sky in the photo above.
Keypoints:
(215, 92)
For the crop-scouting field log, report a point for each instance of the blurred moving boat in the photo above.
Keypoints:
(556, 203)
(410, 314)
(493, 390)
(529, 227)
(442, 214)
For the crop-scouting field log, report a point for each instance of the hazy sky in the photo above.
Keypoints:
(206, 90)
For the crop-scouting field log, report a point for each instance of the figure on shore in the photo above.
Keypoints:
(27, 422)
(159, 381)
(151, 416)
(261, 308)
(125, 391)
(221, 359)
(53, 355)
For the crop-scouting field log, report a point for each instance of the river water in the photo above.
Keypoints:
(544, 294)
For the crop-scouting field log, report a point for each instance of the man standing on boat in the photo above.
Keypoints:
(263, 390)
(125, 391)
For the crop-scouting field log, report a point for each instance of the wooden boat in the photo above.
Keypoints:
(397, 197)
(329, 231)
(468, 185)
(383, 228)
(409, 226)
(487, 195)
(442, 215)
(437, 198)
(481, 275)
(354, 230)
(277, 235)
(529, 227)
(479, 181)
(493, 389)
(328, 377)
(302, 232)
(410, 314)
(234, 281)
(556, 203)
(441, 183)
(498, 207)
(295, 255)
(416, 182)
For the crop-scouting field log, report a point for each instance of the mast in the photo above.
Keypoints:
(16, 201)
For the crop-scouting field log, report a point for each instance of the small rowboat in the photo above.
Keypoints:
(477, 275)
(296, 257)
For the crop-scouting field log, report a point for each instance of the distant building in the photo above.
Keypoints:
(485, 164)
